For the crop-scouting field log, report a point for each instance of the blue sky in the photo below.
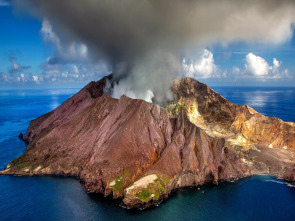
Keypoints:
(29, 49)
(20, 38)
(23, 44)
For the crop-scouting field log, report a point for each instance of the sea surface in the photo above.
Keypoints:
(57, 198)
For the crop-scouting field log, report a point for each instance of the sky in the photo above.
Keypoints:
(37, 52)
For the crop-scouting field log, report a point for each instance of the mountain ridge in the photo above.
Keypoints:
(140, 152)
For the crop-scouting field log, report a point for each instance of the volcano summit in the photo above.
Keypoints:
(140, 152)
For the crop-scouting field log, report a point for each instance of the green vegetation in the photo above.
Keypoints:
(120, 182)
(22, 166)
(118, 185)
(154, 189)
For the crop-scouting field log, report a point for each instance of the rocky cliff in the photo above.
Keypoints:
(140, 152)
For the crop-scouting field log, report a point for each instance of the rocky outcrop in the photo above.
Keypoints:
(140, 152)
(290, 174)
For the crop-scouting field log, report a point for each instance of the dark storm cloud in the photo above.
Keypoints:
(137, 32)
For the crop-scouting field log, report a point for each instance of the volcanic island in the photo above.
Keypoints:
(139, 152)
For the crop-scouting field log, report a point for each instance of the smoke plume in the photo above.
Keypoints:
(143, 40)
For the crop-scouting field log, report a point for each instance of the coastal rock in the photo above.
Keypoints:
(140, 152)
(21, 136)
(290, 174)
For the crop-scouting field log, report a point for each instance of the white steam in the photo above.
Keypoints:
(144, 40)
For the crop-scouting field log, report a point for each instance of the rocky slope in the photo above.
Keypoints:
(140, 152)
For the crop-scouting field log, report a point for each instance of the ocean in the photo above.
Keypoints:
(58, 198)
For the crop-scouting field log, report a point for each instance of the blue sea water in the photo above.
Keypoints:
(58, 198)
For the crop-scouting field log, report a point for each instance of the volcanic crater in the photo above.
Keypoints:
(140, 151)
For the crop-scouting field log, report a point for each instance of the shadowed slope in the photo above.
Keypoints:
(141, 152)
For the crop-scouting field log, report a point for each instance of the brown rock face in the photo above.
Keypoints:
(141, 152)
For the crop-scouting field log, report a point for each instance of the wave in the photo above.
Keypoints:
(281, 182)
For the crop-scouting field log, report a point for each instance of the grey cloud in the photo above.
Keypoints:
(126, 33)
(64, 73)
(17, 68)
(66, 51)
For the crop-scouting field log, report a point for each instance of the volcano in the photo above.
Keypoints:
(140, 152)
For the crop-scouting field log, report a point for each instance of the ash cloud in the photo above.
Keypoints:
(143, 41)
